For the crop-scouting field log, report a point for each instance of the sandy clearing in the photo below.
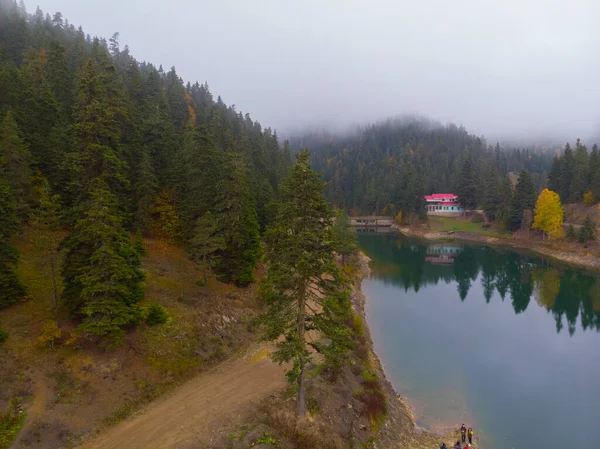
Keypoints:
(198, 409)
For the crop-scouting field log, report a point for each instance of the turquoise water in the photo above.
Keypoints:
(507, 343)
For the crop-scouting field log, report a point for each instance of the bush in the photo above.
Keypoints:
(157, 314)
(3, 336)
(477, 218)
(571, 234)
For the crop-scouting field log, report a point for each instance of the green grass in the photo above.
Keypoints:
(451, 224)
(10, 423)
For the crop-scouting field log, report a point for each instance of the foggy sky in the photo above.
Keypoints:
(507, 68)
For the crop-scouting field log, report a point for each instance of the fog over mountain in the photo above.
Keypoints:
(513, 69)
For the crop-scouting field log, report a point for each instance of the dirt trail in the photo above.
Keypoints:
(198, 409)
(40, 398)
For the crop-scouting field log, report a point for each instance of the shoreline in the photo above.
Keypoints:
(399, 414)
(588, 262)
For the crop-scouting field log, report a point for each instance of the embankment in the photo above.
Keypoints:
(586, 260)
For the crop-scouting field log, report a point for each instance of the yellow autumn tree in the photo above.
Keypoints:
(588, 198)
(549, 214)
(399, 218)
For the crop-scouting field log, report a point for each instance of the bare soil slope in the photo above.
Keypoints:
(201, 409)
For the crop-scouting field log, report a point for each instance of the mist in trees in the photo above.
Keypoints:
(388, 167)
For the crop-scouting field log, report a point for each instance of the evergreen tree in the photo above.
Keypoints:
(46, 220)
(571, 233)
(587, 231)
(304, 289)
(580, 179)
(15, 161)
(145, 193)
(102, 279)
(344, 236)
(467, 186)
(11, 289)
(523, 199)
(566, 173)
(491, 198)
(235, 212)
(505, 194)
(99, 113)
(205, 243)
(554, 177)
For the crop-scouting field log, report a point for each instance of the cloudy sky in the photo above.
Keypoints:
(502, 68)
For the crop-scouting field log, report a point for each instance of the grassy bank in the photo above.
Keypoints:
(447, 228)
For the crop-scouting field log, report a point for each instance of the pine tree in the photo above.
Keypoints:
(345, 237)
(11, 288)
(145, 193)
(587, 231)
(505, 193)
(304, 289)
(99, 115)
(523, 198)
(566, 173)
(554, 175)
(491, 198)
(467, 186)
(235, 212)
(205, 243)
(102, 279)
(15, 161)
(580, 172)
(165, 216)
(46, 220)
(571, 233)
(549, 214)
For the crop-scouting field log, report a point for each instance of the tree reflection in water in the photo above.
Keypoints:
(567, 293)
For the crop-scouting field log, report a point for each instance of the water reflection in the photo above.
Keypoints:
(567, 293)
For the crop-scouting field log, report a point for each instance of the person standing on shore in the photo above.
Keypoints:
(470, 435)
(463, 433)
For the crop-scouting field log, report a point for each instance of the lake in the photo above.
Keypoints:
(507, 343)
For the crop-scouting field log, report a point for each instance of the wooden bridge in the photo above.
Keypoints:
(371, 222)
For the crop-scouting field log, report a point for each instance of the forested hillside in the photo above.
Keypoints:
(575, 175)
(387, 167)
(101, 145)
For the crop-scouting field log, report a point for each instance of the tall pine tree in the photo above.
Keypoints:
(15, 161)
(304, 289)
(102, 279)
(467, 186)
(11, 289)
(235, 212)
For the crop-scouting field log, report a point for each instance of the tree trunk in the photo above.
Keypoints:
(204, 272)
(301, 338)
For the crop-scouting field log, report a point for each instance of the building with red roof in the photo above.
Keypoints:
(444, 204)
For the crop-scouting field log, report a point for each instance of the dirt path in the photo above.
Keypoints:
(198, 409)
(40, 398)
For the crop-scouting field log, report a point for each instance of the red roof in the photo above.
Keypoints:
(441, 196)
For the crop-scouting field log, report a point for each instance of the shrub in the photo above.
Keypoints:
(571, 234)
(3, 336)
(157, 314)
(477, 218)
(358, 326)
